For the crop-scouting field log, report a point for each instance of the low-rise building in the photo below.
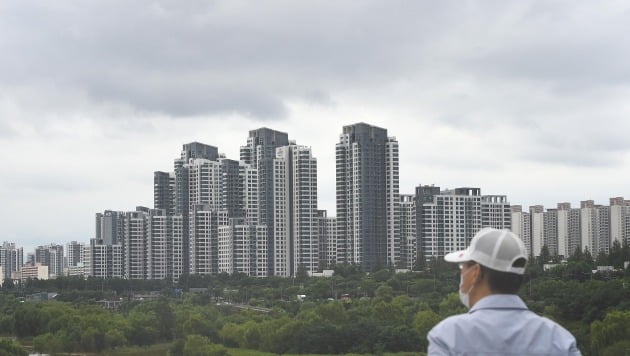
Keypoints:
(38, 271)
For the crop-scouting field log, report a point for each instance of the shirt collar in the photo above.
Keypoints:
(499, 301)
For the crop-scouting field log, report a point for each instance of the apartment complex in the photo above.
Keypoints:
(564, 229)
(259, 216)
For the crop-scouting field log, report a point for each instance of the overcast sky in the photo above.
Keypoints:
(524, 98)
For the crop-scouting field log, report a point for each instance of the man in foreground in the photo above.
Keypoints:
(498, 323)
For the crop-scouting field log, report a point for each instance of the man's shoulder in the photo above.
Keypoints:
(550, 325)
(452, 322)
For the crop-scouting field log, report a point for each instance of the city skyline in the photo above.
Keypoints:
(524, 99)
(204, 165)
(331, 211)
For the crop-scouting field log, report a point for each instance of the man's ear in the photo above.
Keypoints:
(479, 273)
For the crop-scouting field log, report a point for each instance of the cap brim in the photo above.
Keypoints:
(458, 256)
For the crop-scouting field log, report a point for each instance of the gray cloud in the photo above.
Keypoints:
(210, 58)
(474, 90)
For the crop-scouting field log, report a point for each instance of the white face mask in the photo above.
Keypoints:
(464, 297)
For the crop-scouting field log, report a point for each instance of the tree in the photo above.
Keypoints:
(8, 284)
(588, 258)
(602, 259)
(577, 255)
(301, 275)
(616, 255)
(613, 329)
(451, 305)
(423, 322)
(385, 292)
(11, 348)
(545, 256)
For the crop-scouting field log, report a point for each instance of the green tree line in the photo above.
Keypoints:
(351, 312)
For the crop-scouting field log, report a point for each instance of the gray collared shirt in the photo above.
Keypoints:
(500, 324)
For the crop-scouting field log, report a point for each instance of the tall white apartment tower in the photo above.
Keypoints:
(181, 194)
(136, 228)
(619, 214)
(327, 239)
(604, 242)
(617, 218)
(105, 261)
(407, 229)
(521, 226)
(11, 259)
(589, 226)
(205, 221)
(392, 171)
(295, 211)
(242, 248)
(164, 245)
(204, 183)
(260, 153)
(74, 252)
(367, 188)
(562, 229)
(537, 216)
(550, 231)
(249, 189)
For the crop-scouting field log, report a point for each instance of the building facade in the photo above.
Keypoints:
(295, 240)
(366, 196)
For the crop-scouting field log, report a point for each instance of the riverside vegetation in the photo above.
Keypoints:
(351, 312)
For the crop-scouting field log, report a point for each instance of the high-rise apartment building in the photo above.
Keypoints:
(589, 226)
(105, 257)
(568, 230)
(51, 256)
(406, 218)
(205, 221)
(550, 231)
(367, 188)
(603, 243)
(536, 214)
(11, 260)
(141, 244)
(242, 248)
(74, 253)
(327, 232)
(448, 220)
(260, 153)
(181, 191)
(392, 187)
(110, 227)
(619, 214)
(295, 241)
(135, 243)
(164, 245)
(105, 261)
(164, 191)
(495, 211)
(521, 226)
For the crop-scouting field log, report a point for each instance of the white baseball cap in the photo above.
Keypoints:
(495, 249)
